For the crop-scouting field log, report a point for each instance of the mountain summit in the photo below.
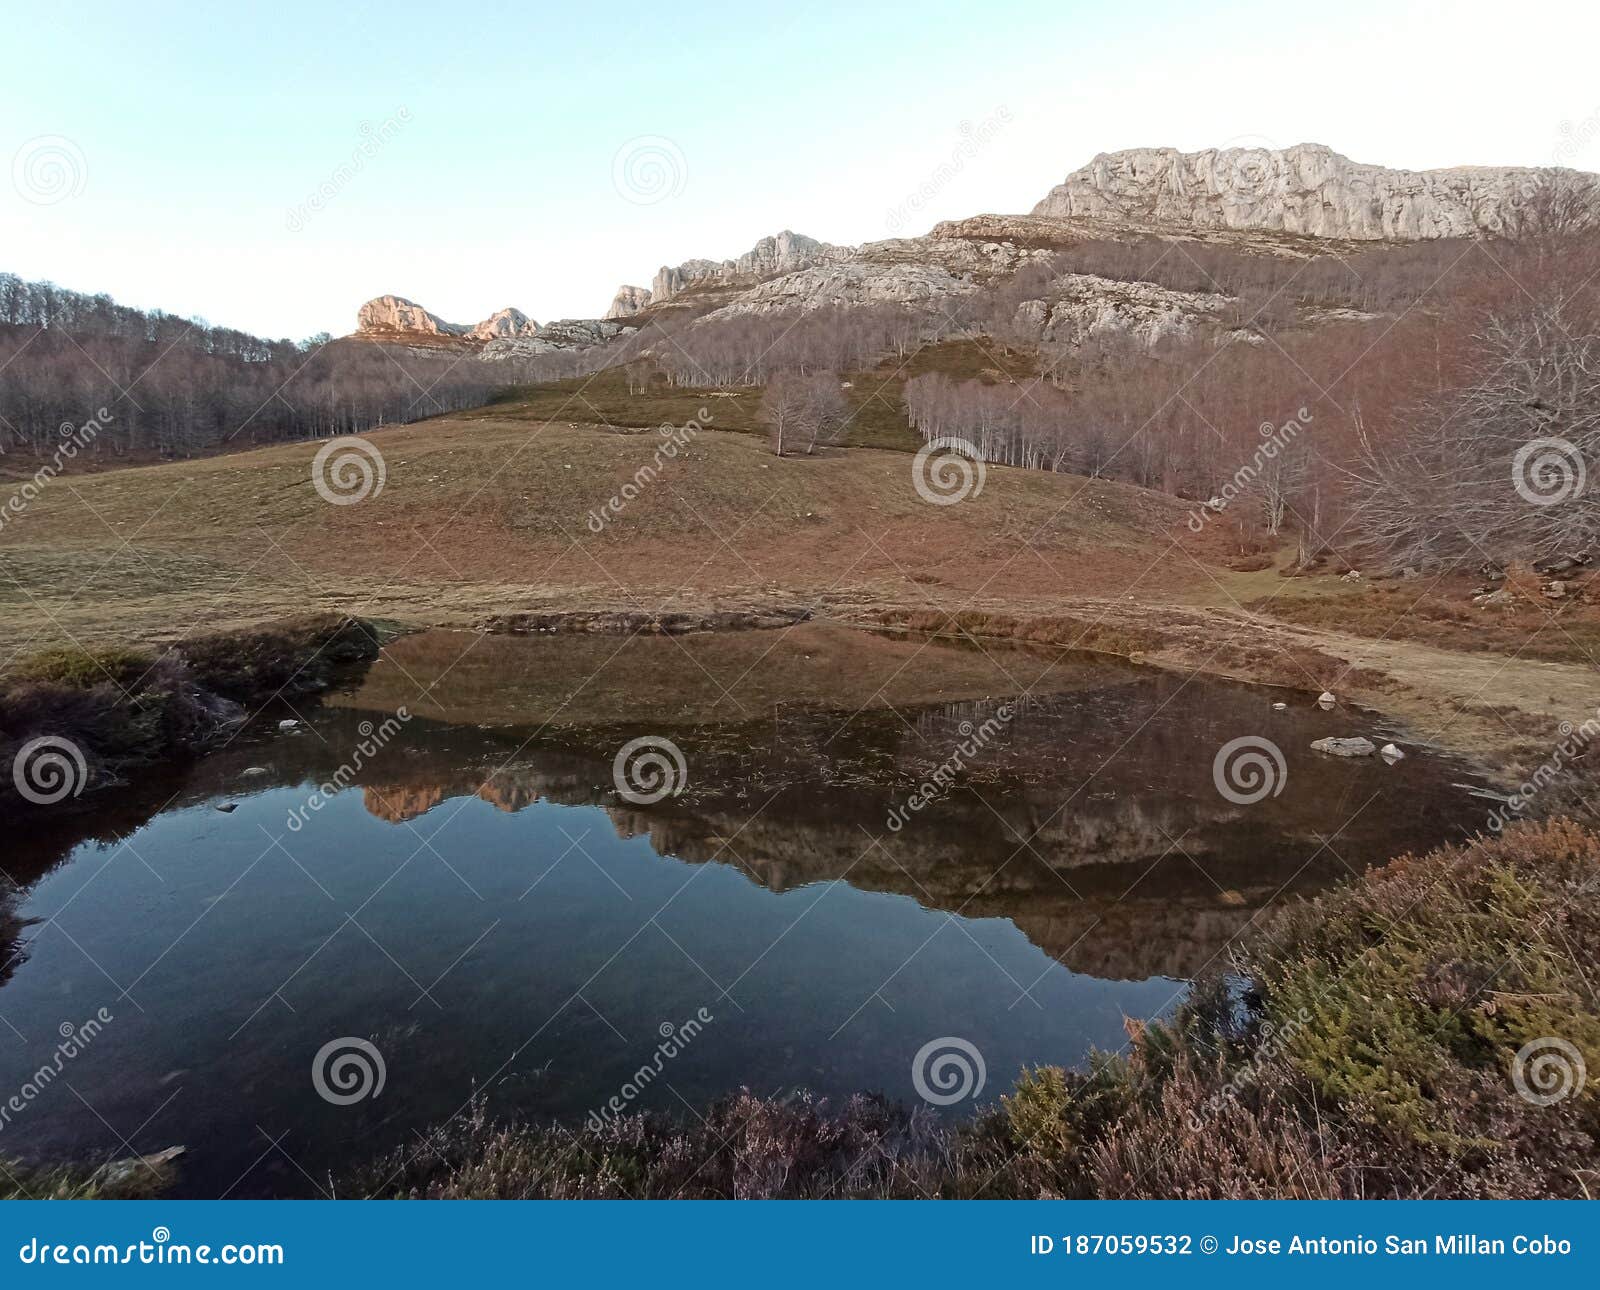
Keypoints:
(1308, 189)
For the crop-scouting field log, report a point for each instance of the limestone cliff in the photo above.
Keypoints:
(1307, 189)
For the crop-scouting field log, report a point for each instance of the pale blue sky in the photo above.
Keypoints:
(190, 133)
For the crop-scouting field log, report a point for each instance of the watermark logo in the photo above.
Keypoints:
(1574, 740)
(373, 139)
(348, 470)
(49, 769)
(1248, 769)
(1548, 471)
(74, 1039)
(675, 439)
(1275, 440)
(1548, 1070)
(948, 1069)
(648, 169)
(73, 440)
(49, 169)
(348, 1070)
(948, 470)
(974, 739)
(1272, 1040)
(647, 769)
(372, 742)
(974, 139)
(674, 1039)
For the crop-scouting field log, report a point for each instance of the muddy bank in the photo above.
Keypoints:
(637, 622)
(76, 721)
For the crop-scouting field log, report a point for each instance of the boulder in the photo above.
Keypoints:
(1352, 747)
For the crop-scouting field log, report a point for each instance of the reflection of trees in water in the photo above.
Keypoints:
(1090, 820)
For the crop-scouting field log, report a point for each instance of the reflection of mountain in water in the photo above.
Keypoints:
(1090, 819)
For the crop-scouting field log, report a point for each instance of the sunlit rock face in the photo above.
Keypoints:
(507, 322)
(397, 314)
(1307, 189)
(784, 252)
(628, 301)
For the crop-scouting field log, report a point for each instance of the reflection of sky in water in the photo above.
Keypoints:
(530, 936)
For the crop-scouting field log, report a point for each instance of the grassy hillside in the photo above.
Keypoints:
(491, 513)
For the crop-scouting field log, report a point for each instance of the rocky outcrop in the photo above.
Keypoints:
(564, 334)
(1082, 307)
(510, 333)
(852, 283)
(628, 301)
(785, 252)
(508, 322)
(397, 314)
(1307, 189)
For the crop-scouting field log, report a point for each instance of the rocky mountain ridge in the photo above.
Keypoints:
(1296, 202)
(1308, 189)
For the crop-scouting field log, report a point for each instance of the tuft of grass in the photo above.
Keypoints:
(81, 669)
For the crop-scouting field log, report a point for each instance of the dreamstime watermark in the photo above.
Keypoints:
(74, 1039)
(974, 139)
(372, 742)
(348, 470)
(1572, 744)
(1548, 471)
(348, 1070)
(674, 1039)
(649, 168)
(1249, 769)
(1548, 1070)
(49, 769)
(948, 470)
(948, 1069)
(1246, 166)
(73, 440)
(675, 439)
(647, 769)
(974, 739)
(373, 139)
(1576, 138)
(160, 1250)
(1274, 440)
(1273, 1040)
(49, 168)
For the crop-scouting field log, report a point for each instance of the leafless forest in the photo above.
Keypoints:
(1400, 389)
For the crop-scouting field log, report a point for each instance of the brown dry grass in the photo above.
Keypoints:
(485, 516)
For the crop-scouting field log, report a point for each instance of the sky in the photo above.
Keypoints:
(271, 167)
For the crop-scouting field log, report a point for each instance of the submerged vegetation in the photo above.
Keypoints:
(1425, 1031)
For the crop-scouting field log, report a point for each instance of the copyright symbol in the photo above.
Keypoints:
(1208, 1245)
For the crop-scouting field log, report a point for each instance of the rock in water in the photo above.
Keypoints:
(1325, 700)
(137, 1172)
(1391, 754)
(1356, 747)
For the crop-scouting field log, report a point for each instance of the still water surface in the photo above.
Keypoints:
(483, 908)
